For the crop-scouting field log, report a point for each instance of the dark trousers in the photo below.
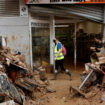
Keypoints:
(59, 63)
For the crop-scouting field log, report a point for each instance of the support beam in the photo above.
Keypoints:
(67, 21)
(75, 47)
(30, 30)
(52, 36)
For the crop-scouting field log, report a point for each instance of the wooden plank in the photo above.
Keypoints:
(74, 91)
(30, 81)
(24, 85)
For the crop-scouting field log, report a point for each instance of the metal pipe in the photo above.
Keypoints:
(88, 76)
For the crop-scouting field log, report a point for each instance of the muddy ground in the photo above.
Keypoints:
(62, 85)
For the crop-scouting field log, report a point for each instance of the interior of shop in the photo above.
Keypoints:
(67, 28)
(86, 31)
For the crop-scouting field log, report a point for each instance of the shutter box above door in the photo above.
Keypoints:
(91, 11)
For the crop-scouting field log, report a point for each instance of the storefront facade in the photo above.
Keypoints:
(30, 29)
(75, 15)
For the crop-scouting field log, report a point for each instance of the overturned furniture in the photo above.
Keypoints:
(95, 76)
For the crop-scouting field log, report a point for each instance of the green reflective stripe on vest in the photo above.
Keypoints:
(60, 56)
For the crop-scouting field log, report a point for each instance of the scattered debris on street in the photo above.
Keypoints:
(93, 82)
(18, 83)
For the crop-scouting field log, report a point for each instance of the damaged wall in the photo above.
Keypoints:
(16, 29)
(14, 24)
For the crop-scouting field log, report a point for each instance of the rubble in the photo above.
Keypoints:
(50, 90)
(11, 102)
(93, 82)
(18, 82)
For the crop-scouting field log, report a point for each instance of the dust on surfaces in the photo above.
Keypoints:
(26, 47)
(28, 53)
(13, 37)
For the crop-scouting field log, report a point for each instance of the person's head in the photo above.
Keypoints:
(55, 40)
(97, 40)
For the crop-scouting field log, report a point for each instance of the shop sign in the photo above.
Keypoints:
(65, 1)
(23, 9)
(44, 25)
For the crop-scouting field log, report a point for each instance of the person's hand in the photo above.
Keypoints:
(55, 59)
(99, 49)
(92, 48)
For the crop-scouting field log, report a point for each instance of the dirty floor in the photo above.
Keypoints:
(62, 85)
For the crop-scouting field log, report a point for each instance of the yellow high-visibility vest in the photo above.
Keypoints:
(60, 56)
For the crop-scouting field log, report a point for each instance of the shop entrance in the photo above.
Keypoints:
(76, 33)
(40, 43)
(85, 32)
(85, 18)
(65, 32)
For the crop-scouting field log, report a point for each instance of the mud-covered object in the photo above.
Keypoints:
(95, 78)
(9, 89)
(92, 79)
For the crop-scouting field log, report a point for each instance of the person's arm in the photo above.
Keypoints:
(99, 48)
(92, 49)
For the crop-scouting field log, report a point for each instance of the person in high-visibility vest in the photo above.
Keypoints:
(59, 58)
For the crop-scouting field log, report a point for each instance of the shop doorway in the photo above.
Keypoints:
(40, 43)
(67, 28)
(76, 14)
(86, 31)
(65, 32)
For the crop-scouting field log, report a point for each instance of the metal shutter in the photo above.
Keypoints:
(9, 8)
(91, 11)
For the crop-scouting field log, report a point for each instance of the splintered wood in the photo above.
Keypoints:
(26, 84)
(17, 80)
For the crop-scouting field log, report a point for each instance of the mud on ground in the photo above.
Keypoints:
(62, 85)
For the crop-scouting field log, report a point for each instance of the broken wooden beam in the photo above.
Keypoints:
(26, 83)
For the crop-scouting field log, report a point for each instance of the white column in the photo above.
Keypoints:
(75, 47)
(52, 36)
(31, 56)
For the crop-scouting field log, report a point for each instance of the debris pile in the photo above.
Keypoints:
(93, 82)
(18, 83)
